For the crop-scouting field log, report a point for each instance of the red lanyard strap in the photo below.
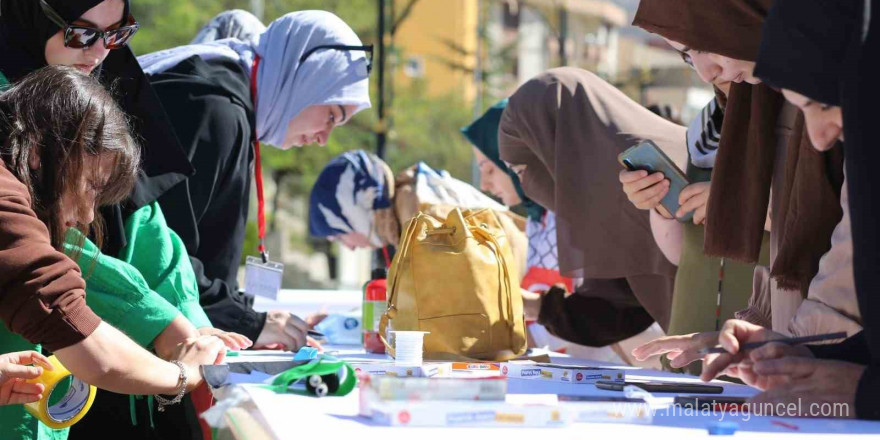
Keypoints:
(258, 170)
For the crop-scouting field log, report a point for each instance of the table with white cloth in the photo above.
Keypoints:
(265, 414)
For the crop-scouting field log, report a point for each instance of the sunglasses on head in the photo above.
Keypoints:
(367, 48)
(83, 37)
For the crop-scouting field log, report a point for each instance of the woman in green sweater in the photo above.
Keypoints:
(140, 280)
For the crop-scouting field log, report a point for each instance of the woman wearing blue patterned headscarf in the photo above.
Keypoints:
(358, 202)
(350, 189)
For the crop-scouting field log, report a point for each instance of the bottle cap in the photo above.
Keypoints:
(379, 273)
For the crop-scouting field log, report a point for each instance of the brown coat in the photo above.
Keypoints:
(568, 126)
(42, 292)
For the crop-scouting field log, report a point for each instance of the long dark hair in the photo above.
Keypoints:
(69, 121)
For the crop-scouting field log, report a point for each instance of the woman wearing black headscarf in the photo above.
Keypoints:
(804, 53)
(142, 269)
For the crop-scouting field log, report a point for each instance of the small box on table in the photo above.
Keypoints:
(574, 374)
(468, 414)
(389, 369)
(375, 390)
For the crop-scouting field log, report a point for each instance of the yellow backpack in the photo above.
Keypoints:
(456, 279)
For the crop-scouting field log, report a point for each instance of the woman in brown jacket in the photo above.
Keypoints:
(66, 150)
(562, 132)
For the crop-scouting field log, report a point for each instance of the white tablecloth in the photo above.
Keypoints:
(289, 416)
(305, 302)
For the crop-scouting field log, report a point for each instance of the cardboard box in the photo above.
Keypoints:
(561, 373)
(476, 366)
(468, 414)
(389, 369)
(599, 409)
(378, 389)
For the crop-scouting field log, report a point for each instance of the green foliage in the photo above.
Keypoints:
(427, 129)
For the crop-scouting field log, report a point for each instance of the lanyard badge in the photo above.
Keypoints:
(261, 277)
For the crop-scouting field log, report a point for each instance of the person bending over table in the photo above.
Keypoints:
(66, 149)
(385, 203)
(561, 133)
(821, 85)
(540, 280)
(307, 75)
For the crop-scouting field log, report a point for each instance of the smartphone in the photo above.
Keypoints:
(713, 403)
(649, 157)
(662, 387)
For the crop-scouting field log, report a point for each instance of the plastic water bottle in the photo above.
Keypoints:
(374, 307)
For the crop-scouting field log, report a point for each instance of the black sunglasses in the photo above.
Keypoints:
(367, 48)
(82, 37)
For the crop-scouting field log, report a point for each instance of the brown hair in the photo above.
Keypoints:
(70, 122)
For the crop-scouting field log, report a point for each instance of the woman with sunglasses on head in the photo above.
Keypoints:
(308, 75)
(141, 270)
(66, 150)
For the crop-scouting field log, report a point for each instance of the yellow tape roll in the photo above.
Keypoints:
(71, 408)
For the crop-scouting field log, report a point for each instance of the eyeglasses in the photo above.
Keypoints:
(368, 49)
(83, 37)
(687, 59)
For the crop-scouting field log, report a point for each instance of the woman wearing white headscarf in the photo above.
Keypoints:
(291, 86)
(236, 23)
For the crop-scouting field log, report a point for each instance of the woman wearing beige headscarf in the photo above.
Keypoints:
(764, 158)
(562, 132)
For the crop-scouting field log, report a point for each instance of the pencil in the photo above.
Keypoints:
(788, 341)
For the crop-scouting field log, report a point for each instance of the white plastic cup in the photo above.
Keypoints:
(408, 348)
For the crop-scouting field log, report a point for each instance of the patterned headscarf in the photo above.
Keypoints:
(346, 195)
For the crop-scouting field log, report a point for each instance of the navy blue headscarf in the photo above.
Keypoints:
(802, 53)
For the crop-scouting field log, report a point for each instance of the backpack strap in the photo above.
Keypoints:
(391, 310)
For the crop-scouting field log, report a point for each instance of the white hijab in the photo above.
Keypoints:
(236, 23)
(285, 87)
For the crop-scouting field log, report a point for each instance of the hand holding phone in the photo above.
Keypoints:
(644, 190)
(647, 156)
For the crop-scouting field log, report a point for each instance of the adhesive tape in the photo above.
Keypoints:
(67, 410)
